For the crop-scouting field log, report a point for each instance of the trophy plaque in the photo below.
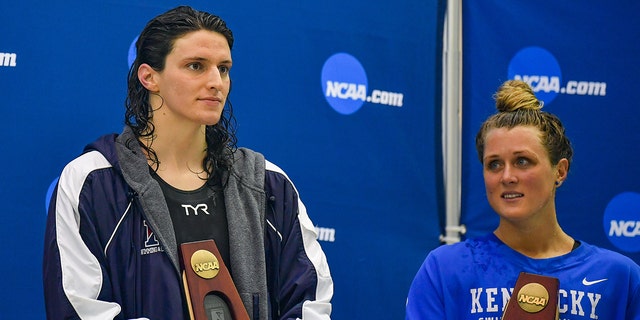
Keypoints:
(209, 289)
(535, 297)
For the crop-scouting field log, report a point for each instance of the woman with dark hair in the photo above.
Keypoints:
(525, 156)
(122, 209)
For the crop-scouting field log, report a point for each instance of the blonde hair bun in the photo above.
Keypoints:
(514, 95)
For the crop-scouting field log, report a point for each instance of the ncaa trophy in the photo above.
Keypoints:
(535, 297)
(209, 289)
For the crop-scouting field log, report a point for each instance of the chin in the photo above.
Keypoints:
(211, 122)
(514, 216)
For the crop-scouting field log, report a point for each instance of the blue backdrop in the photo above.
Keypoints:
(343, 96)
(580, 59)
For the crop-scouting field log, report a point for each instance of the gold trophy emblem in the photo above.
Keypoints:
(533, 297)
(205, 264)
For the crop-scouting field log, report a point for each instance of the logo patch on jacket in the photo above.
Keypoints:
(151, 244)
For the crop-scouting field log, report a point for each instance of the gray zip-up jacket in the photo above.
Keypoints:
(111, 253)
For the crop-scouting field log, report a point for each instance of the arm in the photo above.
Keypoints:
(634, 303)
(425, 298)
(73, 277)
(299, 277)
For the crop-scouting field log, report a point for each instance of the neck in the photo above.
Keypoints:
(180, 157)
(543, 241)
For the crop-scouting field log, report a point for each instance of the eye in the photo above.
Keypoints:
(195, 66)
(224, 69)
(522, 162)
(494, 165)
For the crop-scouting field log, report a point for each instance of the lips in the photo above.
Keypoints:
(216, 99)
(512, 195)
(213, 102)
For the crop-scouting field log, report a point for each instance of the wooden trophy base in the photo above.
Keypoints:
(209, 289)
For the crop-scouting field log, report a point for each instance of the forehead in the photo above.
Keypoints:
(201, 42)
(513, 140)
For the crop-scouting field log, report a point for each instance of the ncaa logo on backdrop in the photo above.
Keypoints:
(541, 70)
(345, 86)
(622, 221)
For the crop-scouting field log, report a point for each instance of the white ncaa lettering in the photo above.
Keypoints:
(587, 88)
(8, 59)
(573, 87)
(624, 228)
(354, 91)
(344, 90)
(188, 207)
(387, 98)
(541, 83)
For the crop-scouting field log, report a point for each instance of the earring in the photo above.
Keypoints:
(557, 183)
(161, 101)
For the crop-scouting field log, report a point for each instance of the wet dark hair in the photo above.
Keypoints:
(155, 42)
(518, 106)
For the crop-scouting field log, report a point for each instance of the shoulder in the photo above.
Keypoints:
(275, 174)
(470, 253)
(95, 155)
(275, 177)
(462, 263)
(82, 166)
(246, 161)
(277, 184)
(607, 258)
(86, 174)
(448, 254)
(472, 245)
(248, 167)
(247, 155)
(252, 169)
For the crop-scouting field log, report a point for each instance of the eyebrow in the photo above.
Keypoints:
(487, 158)
(517, 153)
(524, 152)
(227, 61)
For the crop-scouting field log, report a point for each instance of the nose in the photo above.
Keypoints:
(508, 175)
(215, 80)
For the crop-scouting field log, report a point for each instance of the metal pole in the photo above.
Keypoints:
(452, 118)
